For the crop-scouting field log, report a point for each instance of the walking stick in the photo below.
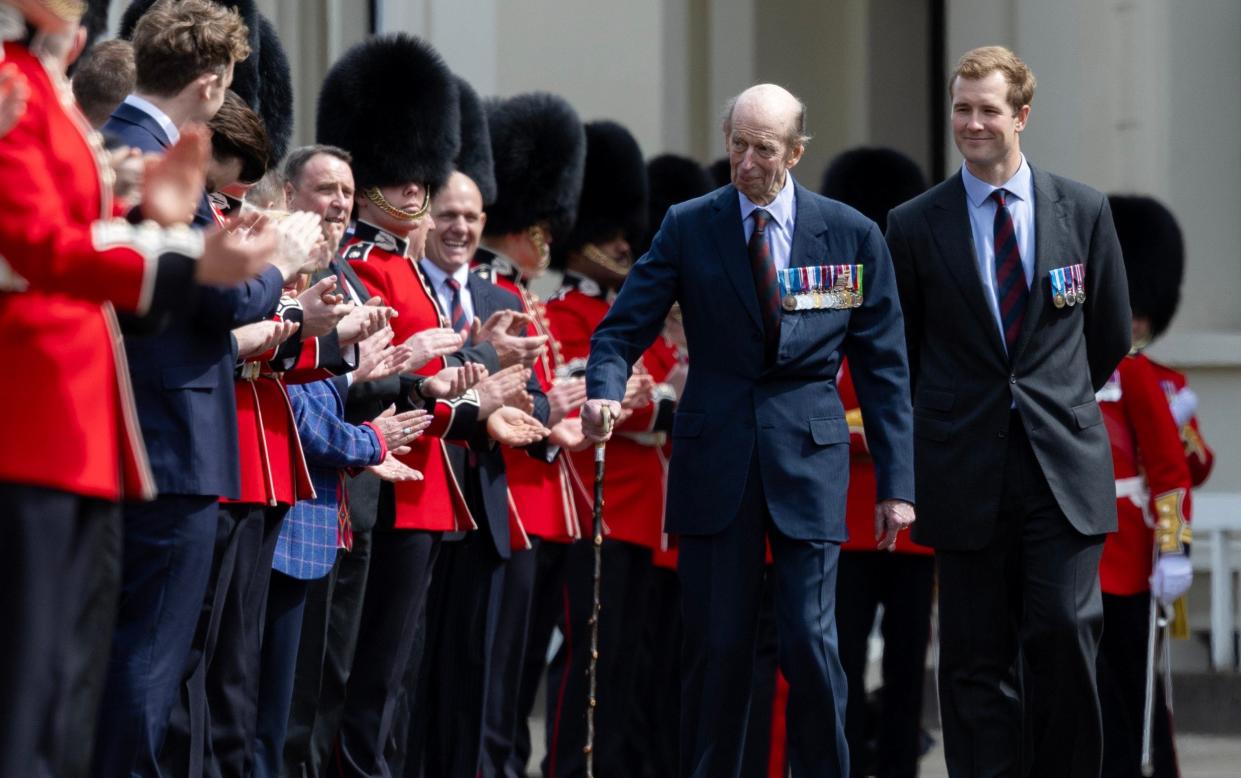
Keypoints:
(595, 607)
(1148, 702)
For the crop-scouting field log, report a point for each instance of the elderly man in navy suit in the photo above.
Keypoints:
(774, 283)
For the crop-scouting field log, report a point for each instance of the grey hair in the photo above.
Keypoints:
(799, 136)
(297, 159)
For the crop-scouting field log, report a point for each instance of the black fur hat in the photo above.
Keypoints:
(673, 179)
(1154, 251)
(392, 103)
(614, 189)
(873, 180)
(263, 80)
(475, 159)
(539, 147)
(721, 172)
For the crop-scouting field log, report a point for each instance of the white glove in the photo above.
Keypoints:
(1184, 405)
(1172, 576)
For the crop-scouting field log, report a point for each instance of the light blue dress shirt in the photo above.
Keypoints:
(149, 108)
(437, 278)
(1020, 203)
(783, 212)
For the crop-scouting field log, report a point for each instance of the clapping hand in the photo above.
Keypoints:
(513, 427)
(400, 429)
(262, 336)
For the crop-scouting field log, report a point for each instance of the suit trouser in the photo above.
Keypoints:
(1020, 621)
(622, 589)
(212, 728)
(396, 591)
(548, 606)
(61, 557)
(655, 710)
(721, 585)
(902, 583)
(508, 657)
(166, 567)
(282, 631)
(1122, 691)
(331, 619)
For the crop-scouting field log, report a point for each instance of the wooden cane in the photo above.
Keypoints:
(596, 605)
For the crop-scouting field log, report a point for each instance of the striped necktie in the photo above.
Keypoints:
(1011, 290)
(456, 313)
(765, 282)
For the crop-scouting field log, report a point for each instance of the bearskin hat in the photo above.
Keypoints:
(263, 80)
(474, 159)
(411, 133)
(539, 148)
(872, 180)
(1154, 252)
(673, 179)
(721, 172)
(614, 189)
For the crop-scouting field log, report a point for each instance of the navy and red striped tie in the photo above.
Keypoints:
(1011, 290)
(765, 282)
(457, 314)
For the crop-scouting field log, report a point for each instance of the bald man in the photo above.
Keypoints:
(775, 284)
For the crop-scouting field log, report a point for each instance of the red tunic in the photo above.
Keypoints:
(1198, 454)
(860, 504)
(1150, 467)
(435, 503)
(64, 262)
(540, 494)
(634, 474)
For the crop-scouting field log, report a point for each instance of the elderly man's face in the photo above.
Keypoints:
(759, 150)
(325, 187)
(457, 210)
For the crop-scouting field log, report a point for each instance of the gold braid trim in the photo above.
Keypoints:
(377, 198)
(595, 254)
(1172, 532)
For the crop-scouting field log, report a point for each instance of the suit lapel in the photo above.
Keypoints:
(480, 294)
(954, 237)
(1050, 221)
(731, 250)
(346, 275)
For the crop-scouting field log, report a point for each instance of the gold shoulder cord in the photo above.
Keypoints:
(595, 254)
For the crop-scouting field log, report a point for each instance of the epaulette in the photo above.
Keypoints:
(358, 251)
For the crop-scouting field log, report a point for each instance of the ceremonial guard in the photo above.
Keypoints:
(403, 145)
(875, 180)
(597, 256)
(538, 148)
(67, 261)
(1145, 567)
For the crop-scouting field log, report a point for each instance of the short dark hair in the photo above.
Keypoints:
(175, 43)
(297, 159)
(238, 133)
(103, 79)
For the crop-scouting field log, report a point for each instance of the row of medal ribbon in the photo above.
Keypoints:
(1068, 285)
(820, 286)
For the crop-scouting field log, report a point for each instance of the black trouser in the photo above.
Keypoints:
(282, 631)
(61, 557)
(622, 586)
(508, 657)
(549, 605)
(331, 618)
(902, 584)
(655, 709)
(1020, 621)
(1122, 691)
(396, 591)
(212, 729)
(168, 547)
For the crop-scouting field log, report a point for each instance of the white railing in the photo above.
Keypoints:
(1217, 548)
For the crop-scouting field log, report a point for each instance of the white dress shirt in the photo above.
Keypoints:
(1020, 204)
(149, 108)
(783, 212)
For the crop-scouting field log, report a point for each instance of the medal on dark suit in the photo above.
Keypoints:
(1057, 287)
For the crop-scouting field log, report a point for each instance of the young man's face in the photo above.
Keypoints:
(985, 127)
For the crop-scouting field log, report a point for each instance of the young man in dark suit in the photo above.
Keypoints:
(775, 283)
(1016, 312)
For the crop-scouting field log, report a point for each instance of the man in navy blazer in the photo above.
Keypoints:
(182, 378)
(774, 283)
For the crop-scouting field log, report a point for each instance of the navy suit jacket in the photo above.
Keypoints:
(183, 375)
(736, 405)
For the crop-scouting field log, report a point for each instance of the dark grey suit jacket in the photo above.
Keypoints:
(964, 383)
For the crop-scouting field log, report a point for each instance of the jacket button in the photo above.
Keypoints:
(1001, 435)
(1012, 379)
